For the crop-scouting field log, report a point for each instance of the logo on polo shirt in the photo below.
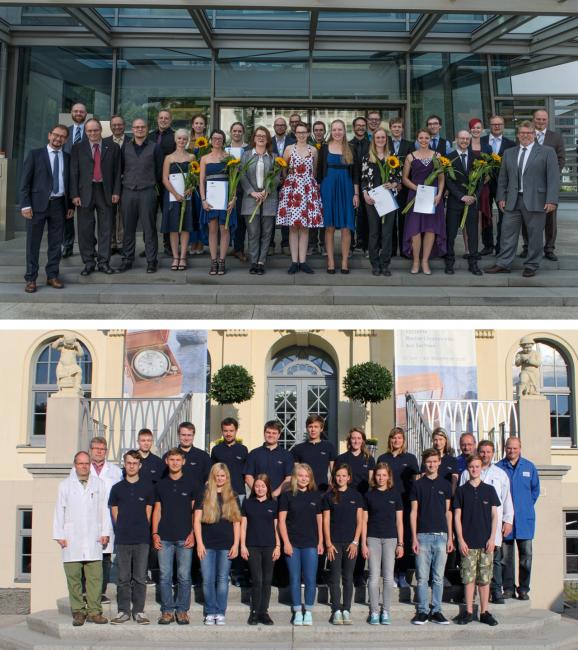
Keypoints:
(269, 510)
(352, 501)
(405, 464)
(184, 494)
(440, 491)
(364, 465)
(279, 462)
(141, 498)
(486, 503)
(193, 462)
(238, 457)
(392, 502)
(324, 453)
(153, 471)
(312, 503)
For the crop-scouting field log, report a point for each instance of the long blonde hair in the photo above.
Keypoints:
(311, 486)
(212, 512)
(346, 152)
(373, 149)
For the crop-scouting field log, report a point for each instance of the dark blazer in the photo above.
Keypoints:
(504, 145)
(82, 168)
(69, 142)
(109, 140)
(289, 139)
(456, 189)
(360, 147)
(556, 141)
(167, 143)
(405, 147)
(353, 168)
(36, 180)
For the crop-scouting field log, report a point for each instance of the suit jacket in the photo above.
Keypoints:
(541, 179)
(504, 145)
(405, 147)
(82, 168)
(289, 139)
(36, 180)
(69, 142)
(249, 184)
(167, 143)
(109, 140)
(556, 141)
(456, 189)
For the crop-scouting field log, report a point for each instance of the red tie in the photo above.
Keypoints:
(97, 173)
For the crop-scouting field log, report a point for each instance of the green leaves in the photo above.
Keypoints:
(368, 382)
(232, 384)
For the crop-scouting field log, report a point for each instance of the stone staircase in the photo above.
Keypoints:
(520, 627)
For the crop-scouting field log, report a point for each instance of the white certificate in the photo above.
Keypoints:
(384, 200)
(424, 199)
(217, 194)
(178, 183)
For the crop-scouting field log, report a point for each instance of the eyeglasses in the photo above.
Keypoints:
(139, 127)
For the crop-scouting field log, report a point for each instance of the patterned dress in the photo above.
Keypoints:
(299, 198)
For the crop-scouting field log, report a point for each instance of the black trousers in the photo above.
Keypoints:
(54, 219)
(380, 233)
(103, 220)
(341, 570)
(453, 219)
(399, 225)
(261, 568)
(488, 231)
(131, 560)
(361, 225)
(68, 235)
(139, 205)
(284, 236)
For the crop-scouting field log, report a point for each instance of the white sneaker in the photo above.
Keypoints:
(346, 617)
(209, 620)
(219, 619)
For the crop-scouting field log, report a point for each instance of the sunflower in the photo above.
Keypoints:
(445, 162)
(480, 163)
(496, 157)
(281, 161)
(393, 162)
(318, 145)
(233, 162)
(201, 142)
(194, 167)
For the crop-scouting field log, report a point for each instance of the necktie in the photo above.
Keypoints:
(396, 146)
(159, 137)
(77, 135)
(97, 171)
(495, 145)
(540, 137)
(521, 168)
(56, 174)
(464, 161)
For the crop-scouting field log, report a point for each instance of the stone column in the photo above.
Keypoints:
(534, 427)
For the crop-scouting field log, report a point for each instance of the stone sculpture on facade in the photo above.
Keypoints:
(68, 371)
(528, 360)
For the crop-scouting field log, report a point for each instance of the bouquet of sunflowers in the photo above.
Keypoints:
(481, 171)
(387, 168)
(201, 147)
(191, 178)
(270, 180)
(234, 170)
(441, 165)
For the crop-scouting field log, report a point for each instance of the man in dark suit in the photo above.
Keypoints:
(494, 142)
(44, 201)
(400, 147)
(548, 138)
(462, 161)
(360, 145)
(117, 126)
(528, 189)
(95, 187)
(78, 114)
(437, 143)
(281, 139)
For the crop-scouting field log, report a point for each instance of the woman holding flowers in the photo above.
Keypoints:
(214, 166)
(260, 196)
(178, 213)
(379, 167)
(424, 234)
(299, 198)
(199, 145)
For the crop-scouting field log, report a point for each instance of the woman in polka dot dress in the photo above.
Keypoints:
(299, 199)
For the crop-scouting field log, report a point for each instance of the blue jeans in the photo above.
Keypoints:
(432, 557)
(303, 561)
(215, 567)
(184, 559)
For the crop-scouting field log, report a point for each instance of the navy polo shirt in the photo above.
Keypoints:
(197, 466)
(218, 536)
(234, 457)
(302, 510)
(277, 463)
(343, 518)
(175, 497)
(318, 455)
(462, 463)
(360, 468)
(382, 506)
(431, 496)
(131, 499)
(476, 506)
(153, 468)
(261, 517)
(404, 468)
(448, 466)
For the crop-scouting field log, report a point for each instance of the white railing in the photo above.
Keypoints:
(418, 432)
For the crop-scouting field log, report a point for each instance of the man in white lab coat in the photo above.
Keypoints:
(494, 475)
(109, 474)
(82, 528)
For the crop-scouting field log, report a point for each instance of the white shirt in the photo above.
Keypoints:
(52, 153)
(280, 144)
(109, 475)
(527, 155)
(495, 142)
(494, 475)
(463, 152)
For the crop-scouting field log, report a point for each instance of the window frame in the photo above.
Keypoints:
(21, 533)
(573, 535)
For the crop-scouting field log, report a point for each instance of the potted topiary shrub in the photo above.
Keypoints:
(232, 384)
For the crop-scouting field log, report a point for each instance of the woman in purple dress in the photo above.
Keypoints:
(424, 234)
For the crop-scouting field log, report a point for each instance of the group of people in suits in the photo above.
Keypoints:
(326, 184)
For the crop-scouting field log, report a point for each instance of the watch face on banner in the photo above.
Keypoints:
(151, 364)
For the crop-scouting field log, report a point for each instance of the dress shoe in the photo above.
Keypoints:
(486, 250)
(99, 619)
(55, 283)
(509, 594)
(331, 271)
(524, 253)
(265, 619)
(449, 270)
(497, 598)
(293, 268)
(475, 269)
(105, 267)
(551, 256)
(78, 619)
(66, 252)
(306, 268)
(30, 287)
(523, 595)
(496, 269)
(253, 619)
(345, 271)
(253, 269)
(385, 271)
(376, 270)
(152, 267)
(87, 270)
(528, 273)
(125, 265)
(260, 269)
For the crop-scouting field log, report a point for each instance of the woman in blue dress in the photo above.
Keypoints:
(338, 177)
(198, 235)
(176, 165)
(214, 168)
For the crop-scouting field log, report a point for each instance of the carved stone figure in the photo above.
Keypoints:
(68, 372)
(528, 360)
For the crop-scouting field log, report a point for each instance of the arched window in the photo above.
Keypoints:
(302, 382)
(44, 384)
(556, 385)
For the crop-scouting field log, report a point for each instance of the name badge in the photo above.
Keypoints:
(526, 474)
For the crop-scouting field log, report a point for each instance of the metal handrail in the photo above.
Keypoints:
(169, 436)
(418, 431)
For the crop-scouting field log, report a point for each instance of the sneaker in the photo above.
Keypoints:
(488, 619)
(307, 618)
(141, 618)
(497, 598)
(298, 618)
(384, 618)
(220, 619)
(166, 618)
(346, 617)
(509, 594)
(464, 618)
(402, 582)
(104, 599)
(120, 618)
(421, 618)
(439, 618)
(182, 618)
(337, 618)
(209, 620)
(374, 618)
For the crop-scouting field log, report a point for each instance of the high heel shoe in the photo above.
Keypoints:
(426, 269)
(414, 270)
